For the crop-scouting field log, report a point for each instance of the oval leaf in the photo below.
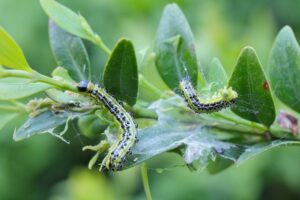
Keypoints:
(284, 68)
(67, 19)
(255, 102)
(120, 75)
(16, 88)
(11, 54)
(175, 48)
(69, 52)
(216, 75)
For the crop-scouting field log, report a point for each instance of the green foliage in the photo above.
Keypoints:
(70, 53)
(175, 48)
(17, 88)
(45, 122)
(91, 126)
(215, 74)
(255, 102)
(284, 68)
(67, 19)
(11, 54)
(120, 76)
(166, 124)
(9, 112)
(71, 22)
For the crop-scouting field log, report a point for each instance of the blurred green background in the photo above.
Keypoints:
(46, 168)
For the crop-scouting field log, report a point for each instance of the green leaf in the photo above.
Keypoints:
(62, 74)
(216, 75)
(45, 122)
(11, 54)
(120, 75)
(284, 68)
(16, 88)
(175, 48)
(256, 149)
(218, 165)
(67, 19)
(7, 116)
(69, 52)
(9, 112)
(255, 102)
(66, 97)
(91, 126)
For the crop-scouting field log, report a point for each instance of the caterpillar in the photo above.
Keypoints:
(223, 98)
(117, 152)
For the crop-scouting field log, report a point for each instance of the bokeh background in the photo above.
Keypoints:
(44, 167)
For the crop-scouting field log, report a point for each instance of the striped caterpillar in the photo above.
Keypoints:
(221, 99)
(117, 152)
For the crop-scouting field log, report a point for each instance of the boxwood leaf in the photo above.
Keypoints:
(175, 49)
(16, 88)
(255, 102)
(67, 19)
(256, 149)
(120, 76)
(284, 68)
(11, 54)
(215, 74)
(69, 52)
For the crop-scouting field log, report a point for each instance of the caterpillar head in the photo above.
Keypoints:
(228, 94)
(85, 86)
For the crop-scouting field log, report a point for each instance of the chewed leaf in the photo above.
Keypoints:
(24, 88)
(175, 48)
(179, 128)
(11, 54)
(43, 123)
(198, 137)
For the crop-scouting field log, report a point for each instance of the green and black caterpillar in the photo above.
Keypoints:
(118, 151)
(223, 98)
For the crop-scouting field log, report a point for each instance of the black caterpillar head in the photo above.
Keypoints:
(83, 86)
